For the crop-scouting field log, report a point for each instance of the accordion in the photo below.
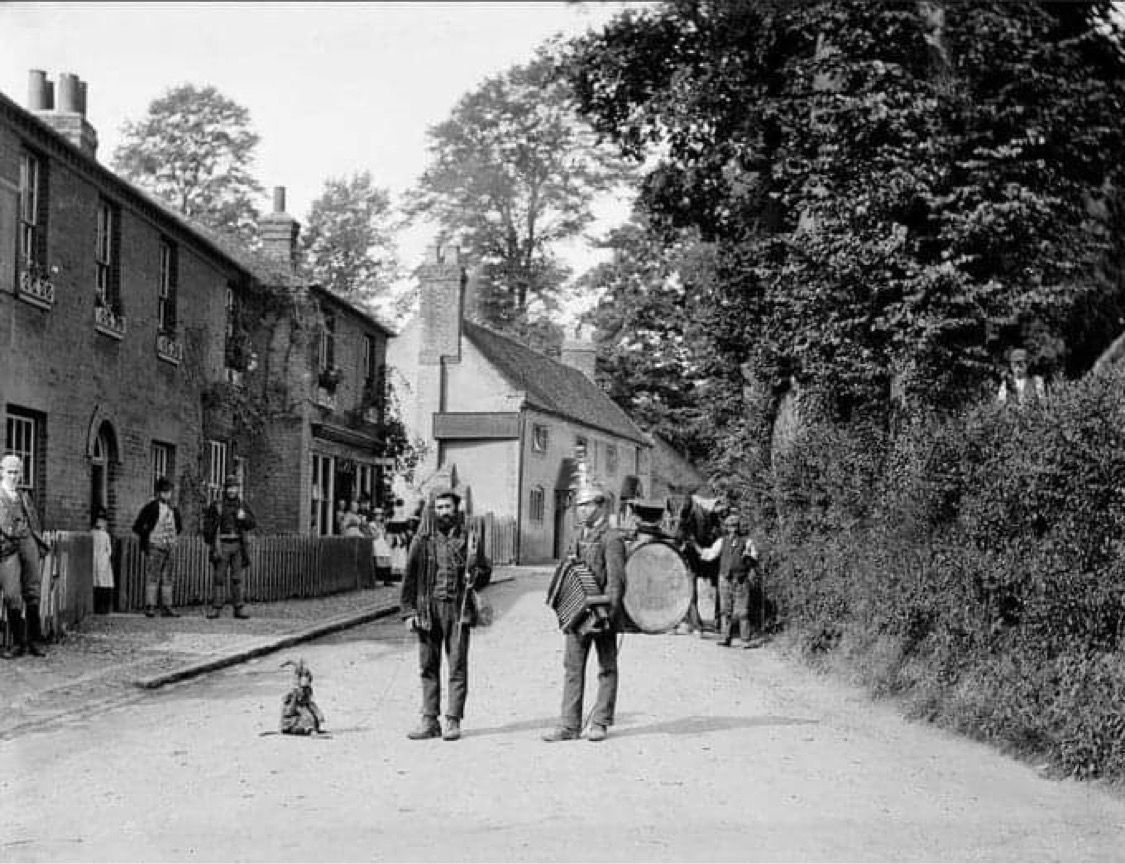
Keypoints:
(577, 600)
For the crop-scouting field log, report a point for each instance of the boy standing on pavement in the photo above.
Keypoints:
(225, 525)
(441, 568)
(158, 525)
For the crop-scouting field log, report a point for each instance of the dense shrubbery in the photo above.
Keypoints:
(974, 565)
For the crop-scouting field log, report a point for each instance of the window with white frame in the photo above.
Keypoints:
(166, 297)
(611, 459)
(163, 462)
(216, 468)
(540, 437)
(581, 448)
(107, 272)
(536, 505)
(23, 438)
(32, 212)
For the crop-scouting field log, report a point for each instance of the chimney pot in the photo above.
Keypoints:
(68, 93)
(39, 91)
(278, 199)
(82, 97)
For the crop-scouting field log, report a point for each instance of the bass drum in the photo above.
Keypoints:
(657, 587)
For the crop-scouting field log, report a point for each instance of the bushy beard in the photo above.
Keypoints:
(445, 522)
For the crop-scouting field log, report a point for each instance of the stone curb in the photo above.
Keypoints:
(341, 622)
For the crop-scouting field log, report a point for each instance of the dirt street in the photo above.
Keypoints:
(717, 755)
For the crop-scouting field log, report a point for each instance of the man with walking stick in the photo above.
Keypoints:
(442, 566)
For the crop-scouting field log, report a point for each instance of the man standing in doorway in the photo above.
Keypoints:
(441, 568)
(158, 525)
(602, 549)
(225, 525)
(21, 544)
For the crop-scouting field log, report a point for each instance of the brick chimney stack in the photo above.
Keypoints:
(579, 352)
(68, 116)
(441, 305)
(279, 232)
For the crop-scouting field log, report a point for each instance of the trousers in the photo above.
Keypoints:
(576, 652)
(19, 574)
(227, 568)
(158, 576)
(445, 634)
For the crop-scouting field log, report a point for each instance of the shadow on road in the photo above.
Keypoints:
(700, 725)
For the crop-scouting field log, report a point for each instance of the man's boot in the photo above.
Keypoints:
(34, 631)
(428, 728)
(15, 625)
(724, 631)
(150, 601)
(452, 729)
(166, 610)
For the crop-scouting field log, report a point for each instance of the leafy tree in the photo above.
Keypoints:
(195, 149)
(899, 192)
(651, 358)
(514, 171)
(347, 241)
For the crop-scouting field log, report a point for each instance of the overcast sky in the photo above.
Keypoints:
(332, 88)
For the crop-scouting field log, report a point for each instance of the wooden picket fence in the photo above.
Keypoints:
(281, 567)
(500, 539)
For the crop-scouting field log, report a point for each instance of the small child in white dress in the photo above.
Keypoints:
(103, 565)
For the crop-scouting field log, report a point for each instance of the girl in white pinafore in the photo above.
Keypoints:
(103, 566)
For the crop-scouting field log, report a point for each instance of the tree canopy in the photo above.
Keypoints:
(347, 241)
(898, 192)
(195, 149)
(514, 171)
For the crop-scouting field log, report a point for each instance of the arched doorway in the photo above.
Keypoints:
(103, 459)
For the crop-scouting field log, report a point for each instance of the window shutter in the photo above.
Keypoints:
(173, 284)
(41, 216)
(115, 262)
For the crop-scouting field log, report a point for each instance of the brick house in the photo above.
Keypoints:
(513, 422)
(134, 343)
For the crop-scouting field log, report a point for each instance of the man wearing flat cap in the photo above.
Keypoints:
(225, 525)
(602, 549)
(158, 525)
(443, 564)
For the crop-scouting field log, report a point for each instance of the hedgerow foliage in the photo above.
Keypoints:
(975, 565)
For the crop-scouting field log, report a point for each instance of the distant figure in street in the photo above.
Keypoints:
(338, 516)
(602, 549)
(738, 569)
(103, 565)
(159, 526)
(1017, 387)
(21, 545)
(376, 529)
(437, 598)
(225, 525)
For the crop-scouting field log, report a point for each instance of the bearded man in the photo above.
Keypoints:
(442, 567)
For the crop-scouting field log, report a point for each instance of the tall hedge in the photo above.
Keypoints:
(975, 565)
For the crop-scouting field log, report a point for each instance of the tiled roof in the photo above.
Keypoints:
(552, 386)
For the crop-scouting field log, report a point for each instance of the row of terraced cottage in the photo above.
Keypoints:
(137, 343)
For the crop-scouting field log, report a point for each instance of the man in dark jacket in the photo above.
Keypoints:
(442, 566)
(225, 525)
(602, 549)
(158, 526)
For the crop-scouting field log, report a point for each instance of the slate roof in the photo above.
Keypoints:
(552, 386)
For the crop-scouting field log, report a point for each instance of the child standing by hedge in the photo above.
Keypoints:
(738, 570)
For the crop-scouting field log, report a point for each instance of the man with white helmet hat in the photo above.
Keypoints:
(21, 542)
(602, 549)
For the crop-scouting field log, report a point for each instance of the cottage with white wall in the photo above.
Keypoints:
(510, 419)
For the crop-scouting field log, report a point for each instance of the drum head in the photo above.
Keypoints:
(657, 587)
